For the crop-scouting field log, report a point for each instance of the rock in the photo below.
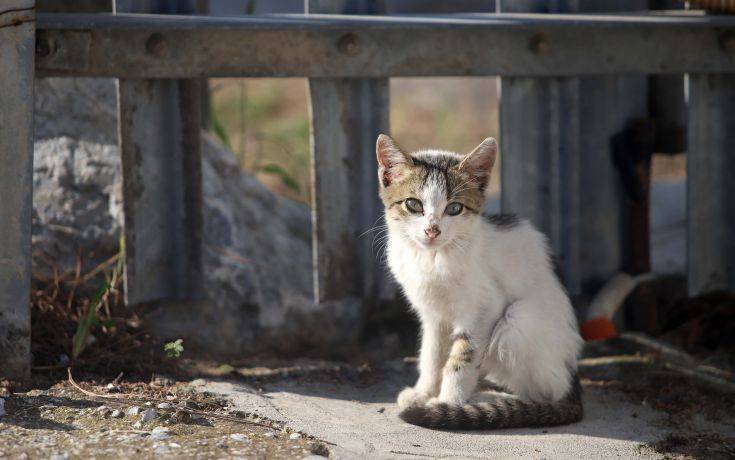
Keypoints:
(270, 434)
(147, 415)
(138, 425)
(2, 407)
(159, 433)
(110, 386)
(63, 456)
(294, 436)
(132, 411)
(104, 411)
(257, 246)
(165, 405)
(116, 414)
(239, 437)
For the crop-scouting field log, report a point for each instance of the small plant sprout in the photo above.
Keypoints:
(174, 349)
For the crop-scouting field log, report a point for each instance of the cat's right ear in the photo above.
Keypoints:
(392, 161)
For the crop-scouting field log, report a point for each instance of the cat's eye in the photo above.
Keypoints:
(414, 206)
(454, 208)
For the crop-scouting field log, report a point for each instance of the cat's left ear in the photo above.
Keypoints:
(478, 164)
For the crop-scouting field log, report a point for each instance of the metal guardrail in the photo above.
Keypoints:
(555, 128)
(157, 46)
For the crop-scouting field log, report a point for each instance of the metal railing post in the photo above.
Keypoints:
(347, 114)
(160, 143)
(710, 185)
(17, 56)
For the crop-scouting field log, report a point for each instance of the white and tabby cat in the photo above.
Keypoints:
(489, 302)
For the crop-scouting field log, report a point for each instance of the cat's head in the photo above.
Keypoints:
(433, 198)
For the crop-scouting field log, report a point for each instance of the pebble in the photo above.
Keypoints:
(165, 405)
(138, 425)
(270, 434)
(174, 445)
(294, 436)
(2, 407)
(103, 411)
(147, 415)
(110, 386)
(116, 414)
(135, 410)
(63, 456)
(239, 437)
(159, 433)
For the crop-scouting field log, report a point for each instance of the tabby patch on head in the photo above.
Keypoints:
(433, 196)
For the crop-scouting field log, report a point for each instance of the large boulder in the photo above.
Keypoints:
(257, 246)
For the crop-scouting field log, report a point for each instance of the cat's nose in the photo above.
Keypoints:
(432, 232)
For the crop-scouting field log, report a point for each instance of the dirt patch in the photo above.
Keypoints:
(63, 422)
(693, 446)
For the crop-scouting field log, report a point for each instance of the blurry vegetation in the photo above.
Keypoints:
(174, 349)
(265, 122)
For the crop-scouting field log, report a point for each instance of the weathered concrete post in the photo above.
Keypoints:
(346, 117)
(160, 129)
(711, 188)
(17, 56)
(557, 165)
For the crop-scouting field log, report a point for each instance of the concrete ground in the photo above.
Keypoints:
(360, 421)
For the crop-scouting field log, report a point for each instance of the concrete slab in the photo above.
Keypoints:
(362, 422)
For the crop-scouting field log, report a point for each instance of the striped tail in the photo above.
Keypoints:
(502, 412)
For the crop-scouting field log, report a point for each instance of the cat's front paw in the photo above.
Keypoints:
(411, 397)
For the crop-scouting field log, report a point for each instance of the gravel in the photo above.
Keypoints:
(147, 415)
(160, 433)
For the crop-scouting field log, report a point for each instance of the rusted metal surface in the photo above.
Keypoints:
(159, 126)
(347, 114)
(297, 45)
(711, 189)
(17, 37)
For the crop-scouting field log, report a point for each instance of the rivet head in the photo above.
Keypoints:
(156, 45)
(727, 41)
(540, 44)
(348, 44)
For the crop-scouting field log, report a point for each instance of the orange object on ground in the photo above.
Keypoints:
(598, 329)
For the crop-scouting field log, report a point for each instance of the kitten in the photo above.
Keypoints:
(489, 302)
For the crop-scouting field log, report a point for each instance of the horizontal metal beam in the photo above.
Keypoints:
(150, 46)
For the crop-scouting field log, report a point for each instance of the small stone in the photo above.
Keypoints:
(202, 443)
(239, 437)
(147, 415)
(174, 445)
(110, 386)
(270, 434)
(164, 405)
(138, 425)
(132, 411)
(103, 411)
(159, 433)
(294, 436)
(63, 456)
(148, 404)
(116, 414)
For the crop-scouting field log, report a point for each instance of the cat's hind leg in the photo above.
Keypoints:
(533, 348)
